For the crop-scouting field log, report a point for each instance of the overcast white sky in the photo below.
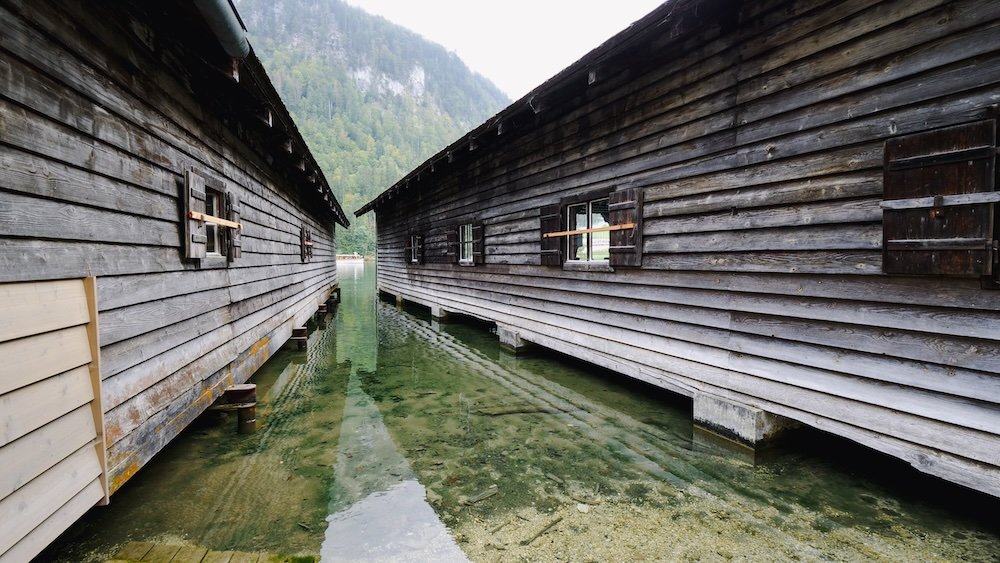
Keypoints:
(518, 44)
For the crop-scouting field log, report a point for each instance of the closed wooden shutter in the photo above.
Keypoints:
(451, 250)
(195, 235)
(550, 221)
(478, 243)
(235, 244)
(939, 202)
(625, 207)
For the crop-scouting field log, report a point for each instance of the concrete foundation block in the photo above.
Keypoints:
(744, 424)
(438, 314)
(510, 340)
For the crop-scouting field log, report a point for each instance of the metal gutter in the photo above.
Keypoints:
(222, 19)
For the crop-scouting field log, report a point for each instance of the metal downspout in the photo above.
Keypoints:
(226, 25)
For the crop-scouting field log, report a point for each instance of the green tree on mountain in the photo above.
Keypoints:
(372, 100)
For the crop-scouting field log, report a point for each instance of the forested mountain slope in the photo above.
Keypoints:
(372, 99)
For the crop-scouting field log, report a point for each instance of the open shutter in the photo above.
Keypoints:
(478, 243)
(195, 235)
(408, 248)
(451, 251)
(235, 244)
(939, 202)
(420, 249)
(625, 207)
(551, 222)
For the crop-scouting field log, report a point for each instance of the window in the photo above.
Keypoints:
(588, 246)
(212, 228)
(213, 233)
(413, 253)
(596, 231)
(465, 242)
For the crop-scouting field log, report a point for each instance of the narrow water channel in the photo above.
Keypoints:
(398, 439)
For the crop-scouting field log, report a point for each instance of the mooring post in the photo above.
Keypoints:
(300, 336)
(241, 398)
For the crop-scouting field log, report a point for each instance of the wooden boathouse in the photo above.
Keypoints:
(163, 228)
(784, 209)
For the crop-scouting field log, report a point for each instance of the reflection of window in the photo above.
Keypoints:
(588, 247)
(213, 207)
(465, 244)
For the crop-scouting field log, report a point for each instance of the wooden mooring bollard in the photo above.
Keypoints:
(241, 398)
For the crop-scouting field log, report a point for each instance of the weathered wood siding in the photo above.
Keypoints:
(51, 424)
(758, 146)
(98, 128)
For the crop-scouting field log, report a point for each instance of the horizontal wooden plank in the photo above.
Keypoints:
(736, 219)
(32, 174)
(822, 237)
(127, 322)
(33, 503)
(31, 407)
(31, 359)
(31, 454)
(33, 308)
(46, 532)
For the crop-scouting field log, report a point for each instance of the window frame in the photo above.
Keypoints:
(414, 257)
(588, 238)
(466, 243)
(215, 244)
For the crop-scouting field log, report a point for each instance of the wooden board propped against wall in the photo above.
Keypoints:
(52, 435)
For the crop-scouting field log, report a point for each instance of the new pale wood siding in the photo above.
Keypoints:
(755, 132)
(51, 424)
(101, 117)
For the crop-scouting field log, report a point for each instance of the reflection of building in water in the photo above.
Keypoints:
(779, 232)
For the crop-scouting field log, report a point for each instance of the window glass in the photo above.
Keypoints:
(213, 204)
(600, 242)
(465, 243)
(577, 220)
(585, 216)
(414, 249)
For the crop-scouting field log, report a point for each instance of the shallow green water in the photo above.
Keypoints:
(395, 438)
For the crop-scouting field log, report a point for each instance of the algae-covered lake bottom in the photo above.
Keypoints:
(398, 439)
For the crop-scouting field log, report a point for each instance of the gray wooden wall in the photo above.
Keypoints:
(96, 131)
(760, 152)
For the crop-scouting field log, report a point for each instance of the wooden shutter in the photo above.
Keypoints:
(551, 222)
(939, 202)
(625, 207)
(195, 234)
(234, 242)
(451, 251)
(478, 243)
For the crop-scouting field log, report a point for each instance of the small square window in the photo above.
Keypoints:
(465, 244)
(213, 206)
(590, 246)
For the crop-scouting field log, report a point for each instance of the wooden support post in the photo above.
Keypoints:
(241, 398)
(301, 337)
(399, 301)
